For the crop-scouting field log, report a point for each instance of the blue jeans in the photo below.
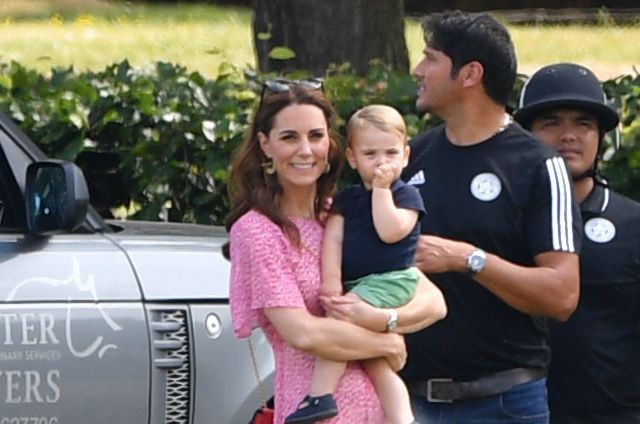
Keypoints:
(525, 404)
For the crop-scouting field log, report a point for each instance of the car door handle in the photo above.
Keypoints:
(171, 363)
(167, 344)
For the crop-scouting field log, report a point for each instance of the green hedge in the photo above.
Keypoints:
(155, 143)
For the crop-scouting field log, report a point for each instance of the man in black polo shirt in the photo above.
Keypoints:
(594, 376)
(500, 239)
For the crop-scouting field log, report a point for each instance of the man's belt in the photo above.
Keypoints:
(447, 390)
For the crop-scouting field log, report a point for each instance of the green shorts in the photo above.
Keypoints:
(386, 290)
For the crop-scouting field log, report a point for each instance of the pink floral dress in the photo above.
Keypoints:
(267, 271)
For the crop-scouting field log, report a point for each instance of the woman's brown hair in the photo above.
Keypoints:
(250, 187)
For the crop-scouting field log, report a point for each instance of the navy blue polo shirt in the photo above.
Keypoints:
(594, 376)
(511, 196)
(363, 252)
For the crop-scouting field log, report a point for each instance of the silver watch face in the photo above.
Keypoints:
(477, 261)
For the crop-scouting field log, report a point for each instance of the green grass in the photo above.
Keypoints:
(609, 51)
(92, 34)
(606, 49)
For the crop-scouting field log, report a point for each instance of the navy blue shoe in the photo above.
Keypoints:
(313, 409)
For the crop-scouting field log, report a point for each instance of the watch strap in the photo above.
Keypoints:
(392, 322)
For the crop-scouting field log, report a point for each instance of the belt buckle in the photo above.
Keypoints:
(430, 397)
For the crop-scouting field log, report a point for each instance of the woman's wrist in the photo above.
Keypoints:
(392, 321)
(382, 318)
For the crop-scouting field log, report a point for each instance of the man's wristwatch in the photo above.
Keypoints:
(476, 261)
(392, 322)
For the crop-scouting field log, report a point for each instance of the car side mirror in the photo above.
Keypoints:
(56, 196)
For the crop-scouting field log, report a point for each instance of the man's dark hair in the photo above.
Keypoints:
(469, 37)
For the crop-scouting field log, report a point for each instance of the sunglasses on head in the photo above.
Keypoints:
(282, 85)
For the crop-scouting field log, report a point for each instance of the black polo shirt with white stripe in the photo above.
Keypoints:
(594, 376)
(512, 196)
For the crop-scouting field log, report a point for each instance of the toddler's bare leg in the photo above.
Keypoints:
(326, 375)
(391, 390)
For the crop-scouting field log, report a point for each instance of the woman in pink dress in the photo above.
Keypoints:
(282, 177)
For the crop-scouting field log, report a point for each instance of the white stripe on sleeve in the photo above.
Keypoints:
(554, 204)
(561, 213)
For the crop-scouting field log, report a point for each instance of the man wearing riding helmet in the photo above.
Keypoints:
(594, 376)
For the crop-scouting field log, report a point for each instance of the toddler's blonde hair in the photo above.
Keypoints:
(383, 117)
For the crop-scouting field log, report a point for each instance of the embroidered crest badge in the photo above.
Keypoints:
(600, 230)
(486, 186)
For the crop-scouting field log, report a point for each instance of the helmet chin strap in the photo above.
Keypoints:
(589, 173)
(594, 173)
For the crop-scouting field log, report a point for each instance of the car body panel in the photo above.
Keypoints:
(228, 377)
(112, 321)
(55, 355)
(196, 248)
(85, 267)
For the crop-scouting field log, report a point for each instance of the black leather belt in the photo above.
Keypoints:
(447, 390)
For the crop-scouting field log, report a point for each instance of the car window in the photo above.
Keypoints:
(1, 209)
(17, 158)
(6, 217)
(10, 198)
(18, 151)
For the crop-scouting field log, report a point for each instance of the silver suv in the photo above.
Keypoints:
(109, 321)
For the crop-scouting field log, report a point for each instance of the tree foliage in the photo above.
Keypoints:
(157, 142)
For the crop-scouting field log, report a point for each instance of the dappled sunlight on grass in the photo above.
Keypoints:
(93, 44)
(608, 50)
(91, 34)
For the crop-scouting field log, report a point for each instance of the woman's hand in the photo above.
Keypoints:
(351, 308)
(398, 359)
(334, 339)
(426, 308)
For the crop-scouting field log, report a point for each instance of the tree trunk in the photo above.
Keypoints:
(325, 32)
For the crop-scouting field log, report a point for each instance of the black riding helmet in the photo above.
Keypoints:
(567, 85)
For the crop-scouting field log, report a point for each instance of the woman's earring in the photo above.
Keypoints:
(268, 167)
(328, 168)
